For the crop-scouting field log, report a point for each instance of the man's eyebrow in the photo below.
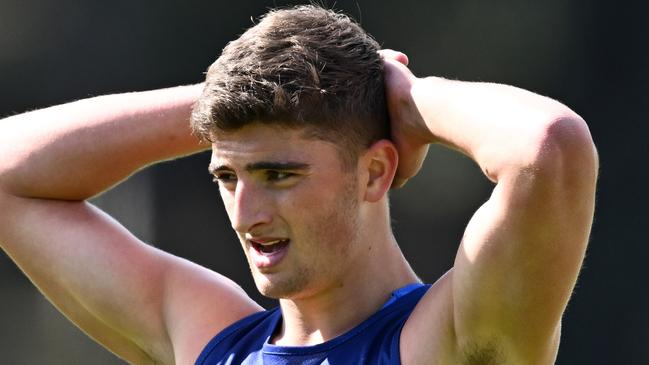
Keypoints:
(214, 168)
(273, 165)
(263, 165)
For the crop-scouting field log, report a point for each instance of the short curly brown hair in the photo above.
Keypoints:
(302, 67)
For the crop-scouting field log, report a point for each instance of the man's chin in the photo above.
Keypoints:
(275, 287)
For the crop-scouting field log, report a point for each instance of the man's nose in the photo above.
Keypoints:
(251, 207)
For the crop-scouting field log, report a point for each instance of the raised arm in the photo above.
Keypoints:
(127, 295)
(76, 150)
(521, 252)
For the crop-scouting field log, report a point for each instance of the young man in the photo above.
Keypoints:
(295, 113)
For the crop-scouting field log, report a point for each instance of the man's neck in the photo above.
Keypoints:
(331, 312)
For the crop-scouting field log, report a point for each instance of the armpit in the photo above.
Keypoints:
(483, 354)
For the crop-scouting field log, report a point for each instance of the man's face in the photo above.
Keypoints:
(293, 205)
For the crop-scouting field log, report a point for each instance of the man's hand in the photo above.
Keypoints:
(409, 131)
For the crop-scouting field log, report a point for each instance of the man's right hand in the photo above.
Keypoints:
(409, 131)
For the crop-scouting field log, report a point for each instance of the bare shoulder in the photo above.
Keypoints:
(139, 302)
(199, 304)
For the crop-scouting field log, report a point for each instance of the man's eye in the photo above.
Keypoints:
(225, 178)
(278, 175)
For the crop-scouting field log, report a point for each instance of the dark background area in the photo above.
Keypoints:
(592, 56)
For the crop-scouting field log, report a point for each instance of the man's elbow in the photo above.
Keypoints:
(566, 153)
(569, 139)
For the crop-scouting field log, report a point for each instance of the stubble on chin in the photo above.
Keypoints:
(283, 285)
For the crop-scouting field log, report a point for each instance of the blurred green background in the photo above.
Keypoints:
(593, 56)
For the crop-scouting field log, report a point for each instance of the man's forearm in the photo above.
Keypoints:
(503, 128)
(76, 150)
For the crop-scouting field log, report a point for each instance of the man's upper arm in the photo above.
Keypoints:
(522, 251)
(519, 258)
(139, 302)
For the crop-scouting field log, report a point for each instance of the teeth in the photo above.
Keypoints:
(268, 243)
(267, 248)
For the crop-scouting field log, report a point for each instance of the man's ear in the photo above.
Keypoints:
(380, 162)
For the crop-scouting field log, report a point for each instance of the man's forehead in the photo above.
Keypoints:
(276, 142)
(246, 155)
(257, 144)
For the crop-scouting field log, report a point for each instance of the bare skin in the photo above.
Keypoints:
(337, 269)
(521, 252)
(128, 296)
(513, 274)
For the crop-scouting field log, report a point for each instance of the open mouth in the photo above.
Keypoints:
(267, 252)
(269, 247)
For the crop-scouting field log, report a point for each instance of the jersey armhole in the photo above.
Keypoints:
(230, 330)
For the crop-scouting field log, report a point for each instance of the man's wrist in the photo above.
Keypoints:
(423, 94)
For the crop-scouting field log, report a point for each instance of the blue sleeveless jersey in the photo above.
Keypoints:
(375, 341)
